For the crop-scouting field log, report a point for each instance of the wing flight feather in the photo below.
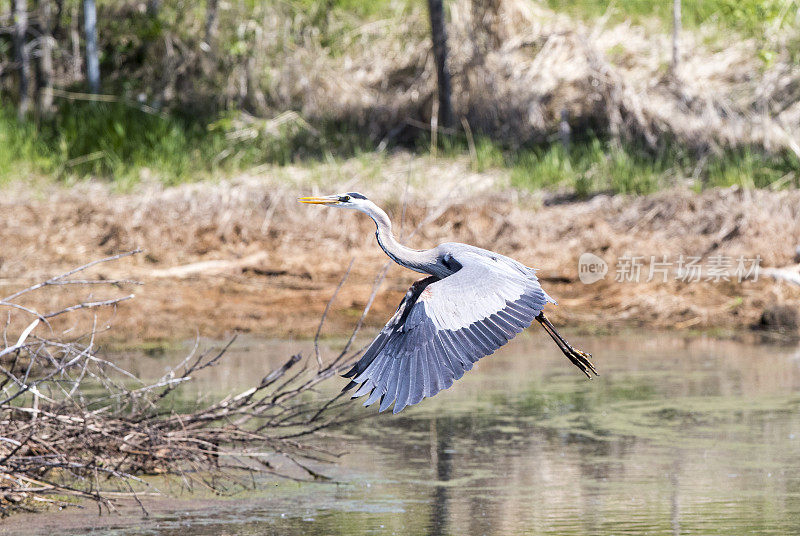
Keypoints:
(443, 326)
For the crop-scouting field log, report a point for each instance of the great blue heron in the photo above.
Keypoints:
(472, 303)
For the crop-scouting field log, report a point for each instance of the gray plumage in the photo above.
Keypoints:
(472, 302)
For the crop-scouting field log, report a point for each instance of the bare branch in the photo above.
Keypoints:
(54, 280)
(60, 437)
(325, 312)
(89, 305)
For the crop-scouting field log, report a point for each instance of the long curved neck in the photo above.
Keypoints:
(419, 261)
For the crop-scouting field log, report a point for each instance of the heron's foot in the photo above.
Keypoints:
(580, 359)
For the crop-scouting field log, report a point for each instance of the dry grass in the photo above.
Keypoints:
(281, 260)
(313, 84)
(517, 65)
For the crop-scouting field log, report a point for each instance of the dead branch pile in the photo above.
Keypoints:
(75, 424)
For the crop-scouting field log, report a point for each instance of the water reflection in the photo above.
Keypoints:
(700, 439)
(678, 436)
(675, 512)
(441, 460)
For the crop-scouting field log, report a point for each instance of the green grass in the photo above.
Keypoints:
(595, 165)
(363, 9)
(750, 18)
(123, 144)
(106, 140)
(22, 152)
(589, 167)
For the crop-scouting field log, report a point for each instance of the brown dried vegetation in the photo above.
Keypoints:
(271, 263)
(517, 66)
(73, 424)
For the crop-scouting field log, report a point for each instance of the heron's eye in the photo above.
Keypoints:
(344, 198)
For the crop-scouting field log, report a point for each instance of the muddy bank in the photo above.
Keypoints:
(268, 265)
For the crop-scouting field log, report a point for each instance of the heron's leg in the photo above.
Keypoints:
(578, 358)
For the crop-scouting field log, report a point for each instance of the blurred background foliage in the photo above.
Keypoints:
(193, 90)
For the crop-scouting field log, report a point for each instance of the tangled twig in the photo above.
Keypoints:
(75, 424)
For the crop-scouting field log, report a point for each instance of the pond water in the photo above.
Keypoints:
(679, 435)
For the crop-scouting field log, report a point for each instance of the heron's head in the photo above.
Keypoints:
(352, 200)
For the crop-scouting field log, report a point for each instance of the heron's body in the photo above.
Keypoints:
(472, 303)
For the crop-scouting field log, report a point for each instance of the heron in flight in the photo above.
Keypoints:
(471, 303)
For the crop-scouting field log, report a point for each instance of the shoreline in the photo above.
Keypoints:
(242, 256)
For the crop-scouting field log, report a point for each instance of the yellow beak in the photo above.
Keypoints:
(326, 200)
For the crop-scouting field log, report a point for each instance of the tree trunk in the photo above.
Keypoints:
(212, 21)
(75, 41)
(676, 31)
(92, 60)
(153, 7)
(45, 66)
(57, 29)
(564, 130)
(439, 37)
(22, 55)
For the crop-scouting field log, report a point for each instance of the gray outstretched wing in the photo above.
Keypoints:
(443, 326)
